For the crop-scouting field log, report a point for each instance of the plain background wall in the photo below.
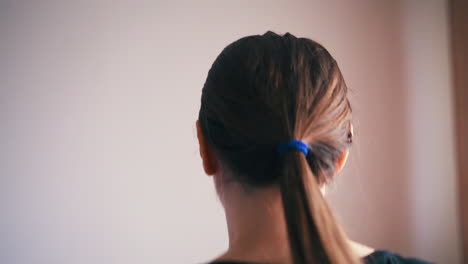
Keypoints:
(99, 161)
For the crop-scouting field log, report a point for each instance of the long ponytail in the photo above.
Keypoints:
(314, 235)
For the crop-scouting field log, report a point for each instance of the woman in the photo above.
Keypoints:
(274, 128)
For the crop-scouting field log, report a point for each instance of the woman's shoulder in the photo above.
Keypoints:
(388, 257)
(376, 257)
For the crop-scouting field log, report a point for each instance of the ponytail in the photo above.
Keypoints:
(314, 235)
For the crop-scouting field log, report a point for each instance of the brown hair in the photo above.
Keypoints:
(266, 89)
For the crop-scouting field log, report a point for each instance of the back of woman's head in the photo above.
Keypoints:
(267, 89)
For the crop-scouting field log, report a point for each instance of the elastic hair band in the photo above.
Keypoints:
(293, 144)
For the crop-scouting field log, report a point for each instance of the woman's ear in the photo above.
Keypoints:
(341, 161)
(210, 164)
(344, 155)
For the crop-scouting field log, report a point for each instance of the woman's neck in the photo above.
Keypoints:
(256, 225)
(257, 228)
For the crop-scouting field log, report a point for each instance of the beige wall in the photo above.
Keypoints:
(459, 32)
(98, 100)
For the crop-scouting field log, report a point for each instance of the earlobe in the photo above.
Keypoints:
(341, 161)
(206, 153)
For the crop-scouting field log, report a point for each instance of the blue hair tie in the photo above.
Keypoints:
(293, 144)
